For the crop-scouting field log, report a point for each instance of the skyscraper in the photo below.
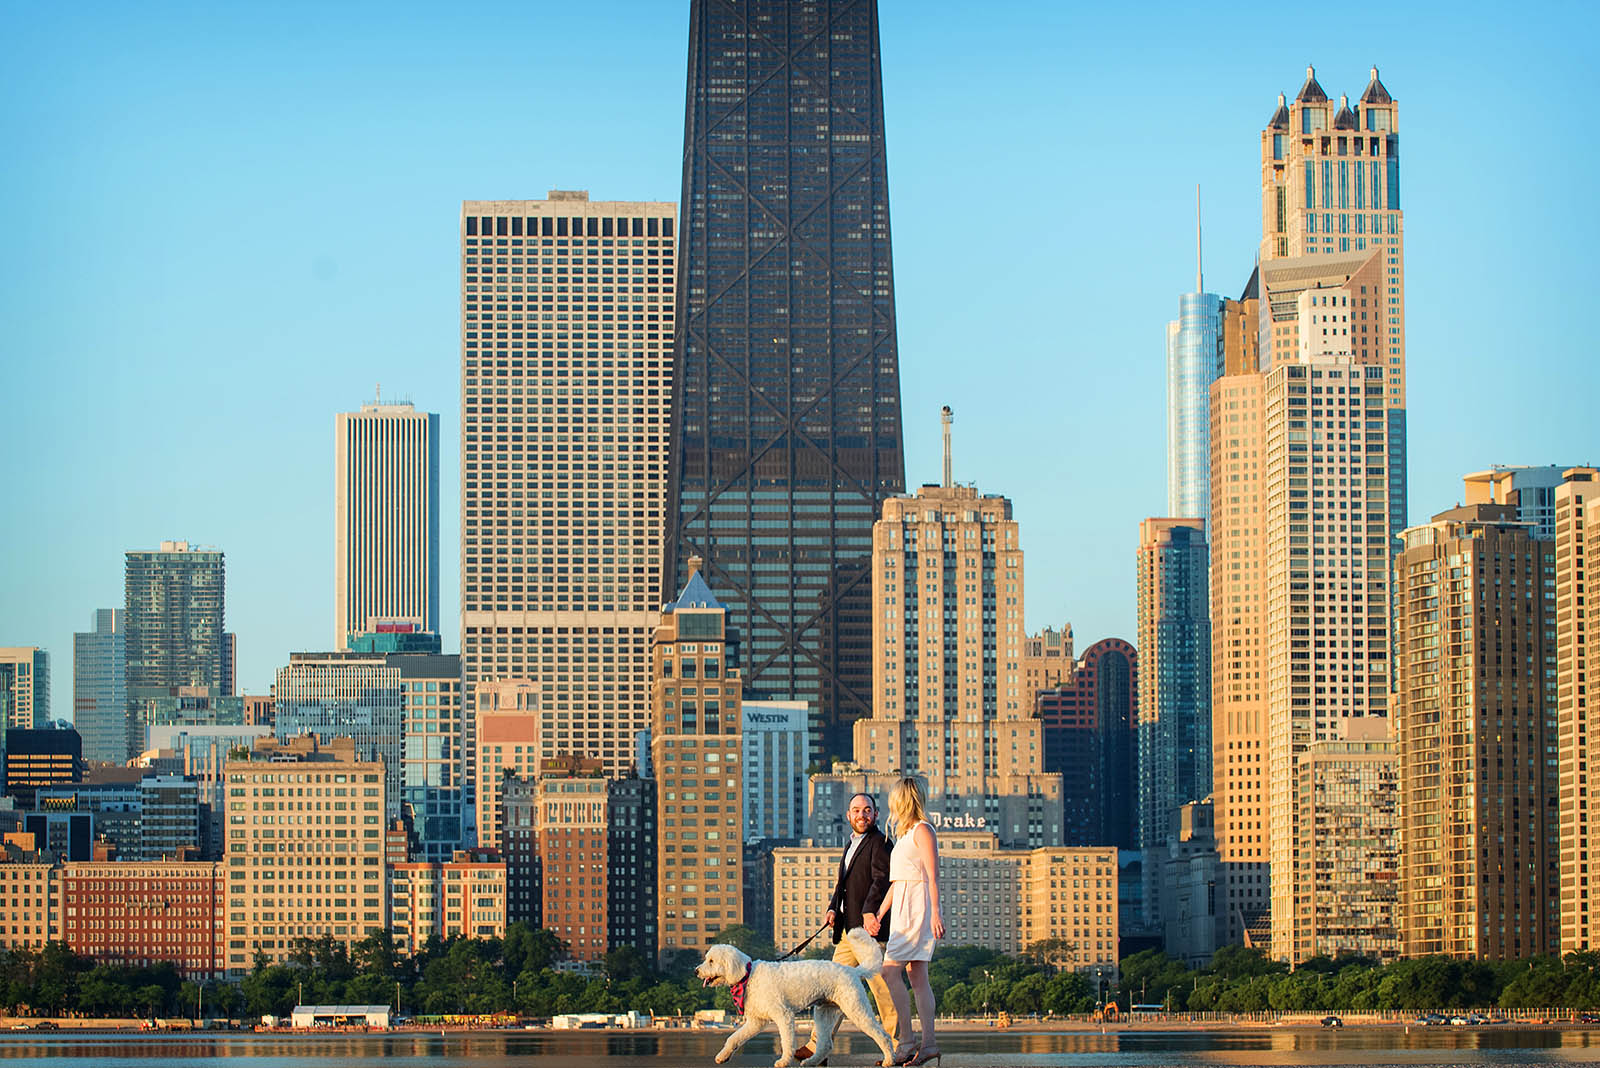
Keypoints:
(1174, 730)
(24, 687)
(1194, 360)
(786, 433)
(1326, 574)
(1089, 742)
(947, 665)
(386, 519)
(1330, 186)
(1293, 564)
(696, 747)
(1577, 635)
(566, 328)
(100, 687)
(174, 602)
(1474, 710)
(1238, 622)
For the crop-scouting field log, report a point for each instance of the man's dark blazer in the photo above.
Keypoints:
(862, 886)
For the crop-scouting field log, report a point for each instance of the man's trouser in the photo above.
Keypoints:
(844, 953)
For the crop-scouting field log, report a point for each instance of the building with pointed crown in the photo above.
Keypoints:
(696, 751)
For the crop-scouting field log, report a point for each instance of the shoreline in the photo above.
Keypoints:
(66, 1026)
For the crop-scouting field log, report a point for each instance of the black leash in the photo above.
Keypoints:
(806, 943)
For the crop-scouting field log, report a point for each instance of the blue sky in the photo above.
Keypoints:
(226, 223)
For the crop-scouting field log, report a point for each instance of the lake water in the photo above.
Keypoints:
(1372, 1047)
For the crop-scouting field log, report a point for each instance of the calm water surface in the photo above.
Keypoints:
(1373, 1047)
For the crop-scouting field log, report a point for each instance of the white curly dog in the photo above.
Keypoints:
(780, 990)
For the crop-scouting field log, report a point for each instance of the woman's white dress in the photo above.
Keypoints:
(911, 915)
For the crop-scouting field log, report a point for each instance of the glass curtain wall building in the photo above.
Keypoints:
(786, 419)
(1194, 360)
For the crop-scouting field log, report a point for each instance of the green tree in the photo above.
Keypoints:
(626, 962)
(1026, 995)
(1069, 992)
(752, 942)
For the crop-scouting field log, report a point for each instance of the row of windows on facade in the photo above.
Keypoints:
(564, 226)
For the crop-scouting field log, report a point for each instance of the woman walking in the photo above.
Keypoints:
(914, 920)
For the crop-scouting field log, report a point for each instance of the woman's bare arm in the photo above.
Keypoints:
(928, 849)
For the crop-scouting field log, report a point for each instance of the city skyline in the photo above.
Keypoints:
(241, 437)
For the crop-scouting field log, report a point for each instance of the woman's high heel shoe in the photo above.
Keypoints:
(924, 1056)
(901, 1056)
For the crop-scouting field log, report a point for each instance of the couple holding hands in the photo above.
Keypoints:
(894, 895)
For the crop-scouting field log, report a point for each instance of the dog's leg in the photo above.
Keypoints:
(853, 1003)
(785, 1023)
(824, 1022)
(744, 1033)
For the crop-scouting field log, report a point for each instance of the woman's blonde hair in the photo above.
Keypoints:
(908, 804)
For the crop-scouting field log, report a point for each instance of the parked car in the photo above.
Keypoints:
(1458, 1021)
(1332, 1021)
(47, 1025)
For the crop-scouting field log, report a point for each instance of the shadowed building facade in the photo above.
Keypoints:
(1174, 727)
(100, 687)
(1089, 741)
(786, 421)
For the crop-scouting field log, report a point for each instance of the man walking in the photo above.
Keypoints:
(857, 897)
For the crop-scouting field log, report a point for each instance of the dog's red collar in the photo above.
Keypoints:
(738, 989)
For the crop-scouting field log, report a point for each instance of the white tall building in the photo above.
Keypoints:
(777, 751)
(386, 513)
(566, 336)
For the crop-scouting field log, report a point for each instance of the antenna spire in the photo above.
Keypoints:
(945, 417)
(1199, 275)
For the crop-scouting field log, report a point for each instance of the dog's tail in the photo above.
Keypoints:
(869, 953)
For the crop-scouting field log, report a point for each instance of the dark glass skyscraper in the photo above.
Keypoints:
(786, 419)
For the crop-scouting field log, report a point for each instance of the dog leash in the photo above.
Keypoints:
(806, 943)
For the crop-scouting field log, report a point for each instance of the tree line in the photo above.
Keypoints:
(517, 974)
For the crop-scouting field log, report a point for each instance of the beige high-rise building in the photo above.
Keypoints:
(566, 325)
(1474, 710)
(1330, 214)
(305, 847)
(1308, 483)
(949, 703)
(509, 736)
(1577, 521)
(696, 741)
(1046, 660)
(1300, 589)
(1238, 628)
(1326, 576)
(386, 520)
